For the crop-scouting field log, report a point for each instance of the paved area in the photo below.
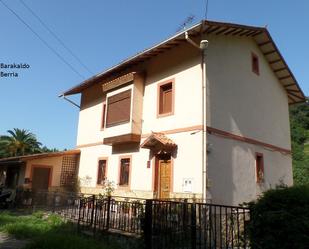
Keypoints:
(8, 242)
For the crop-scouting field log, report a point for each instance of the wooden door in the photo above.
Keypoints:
(40, 178)
(164, 178)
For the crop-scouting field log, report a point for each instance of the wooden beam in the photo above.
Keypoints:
(285, 77)
(222, 31)
(294, 95)
(252, 33)
(288, 85)
(280, 69)
(264, 43)
(245, 33)
(236, 33)
(258, 33)
(274, 61)
(213, 30)
(270, 52)
(291, 90)
(231, 31)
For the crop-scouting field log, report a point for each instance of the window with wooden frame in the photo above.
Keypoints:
(102, 167)
(259, 167)
(166, 98)
(255, 64)
(103, 116)
(118, 108)
(124, 174)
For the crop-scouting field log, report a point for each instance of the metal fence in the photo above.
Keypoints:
(160, 223)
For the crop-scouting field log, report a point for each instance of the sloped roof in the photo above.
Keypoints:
(259, 34)
(158, 138)
(40, 155)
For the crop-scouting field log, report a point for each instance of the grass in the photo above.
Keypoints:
(48, 232)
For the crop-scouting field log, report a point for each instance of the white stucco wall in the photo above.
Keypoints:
(186, 164)
(249, 105)
(182, 65)
(241, 102)
(232, 175)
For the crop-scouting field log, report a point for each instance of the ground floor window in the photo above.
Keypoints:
(259, 167)
(101, 171)
(125, 164)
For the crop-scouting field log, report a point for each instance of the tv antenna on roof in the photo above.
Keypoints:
(186, 22)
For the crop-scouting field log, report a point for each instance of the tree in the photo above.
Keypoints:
(299, 120)
(19, 142)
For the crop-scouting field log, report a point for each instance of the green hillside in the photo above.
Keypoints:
(299, 117)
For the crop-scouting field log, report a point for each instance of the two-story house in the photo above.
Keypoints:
(203, 114)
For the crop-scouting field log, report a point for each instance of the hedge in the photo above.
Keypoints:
(280, 219)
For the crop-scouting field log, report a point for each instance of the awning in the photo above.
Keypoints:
(158, 141)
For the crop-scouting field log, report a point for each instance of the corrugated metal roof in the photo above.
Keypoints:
(259, 34)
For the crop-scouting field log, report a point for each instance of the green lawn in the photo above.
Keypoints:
(47, 232)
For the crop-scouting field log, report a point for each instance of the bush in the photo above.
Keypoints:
(280, 219)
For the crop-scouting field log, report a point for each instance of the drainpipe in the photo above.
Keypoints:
(203, 47)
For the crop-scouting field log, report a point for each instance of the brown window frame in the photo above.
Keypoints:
(127, 186)
(98, 172)
(159, 98)
(255, 64)
(116, 96)
(259, 167)
(103, 115)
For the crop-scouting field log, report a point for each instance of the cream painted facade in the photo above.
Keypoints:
(239, 102)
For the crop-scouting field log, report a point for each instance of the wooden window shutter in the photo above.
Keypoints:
(259, 161)
(103, 116)
(101, 172)
(118, 108)
(124, 171)
(166, 98)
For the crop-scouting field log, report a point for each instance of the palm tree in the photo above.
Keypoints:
(19, 143)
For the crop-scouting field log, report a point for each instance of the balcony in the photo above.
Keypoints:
(124, 103)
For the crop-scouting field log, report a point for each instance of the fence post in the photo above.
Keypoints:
(92, 209)
(108, 212)
(193, 226)
(148, 224)
(79, 211)
(54, 201)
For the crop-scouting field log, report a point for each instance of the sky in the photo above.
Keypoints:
(103, 33)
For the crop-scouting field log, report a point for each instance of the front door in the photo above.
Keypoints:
(40, 178)
(164, 178)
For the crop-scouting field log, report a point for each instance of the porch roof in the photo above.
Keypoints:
(156, 140)
(21, 159)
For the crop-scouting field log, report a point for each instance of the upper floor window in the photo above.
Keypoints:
(118, 108)
(103, 116)
(255, 64)
(124, 176)
(101, 171)
(166, 98)
(259, 167)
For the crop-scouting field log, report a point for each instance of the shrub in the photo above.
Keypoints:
(280, 219)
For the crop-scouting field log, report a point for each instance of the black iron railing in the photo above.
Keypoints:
(161, 223)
